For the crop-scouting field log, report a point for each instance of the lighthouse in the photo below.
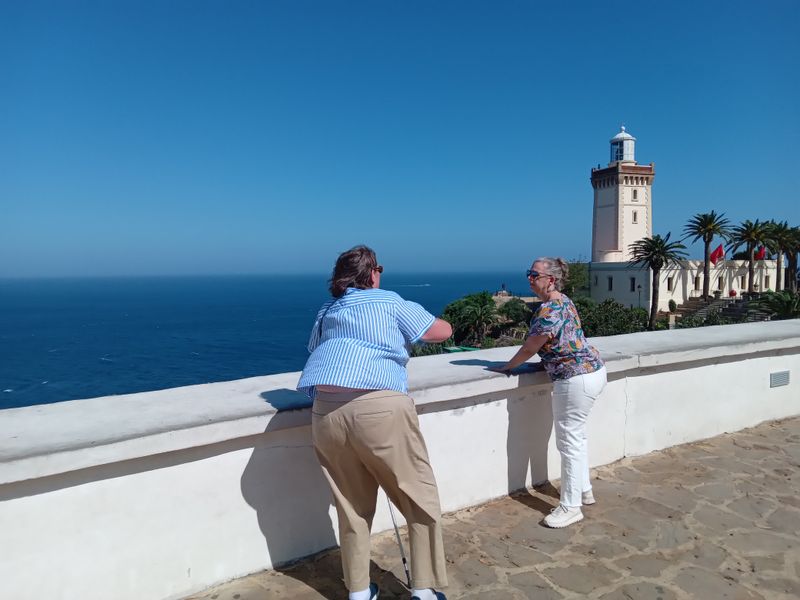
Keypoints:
(623, 201)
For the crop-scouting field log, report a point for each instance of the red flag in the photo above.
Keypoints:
(717, 255)
(761, 254)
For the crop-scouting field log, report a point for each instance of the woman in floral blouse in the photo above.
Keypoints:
(578, 375)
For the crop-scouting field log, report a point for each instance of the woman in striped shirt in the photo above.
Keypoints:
(364, 426)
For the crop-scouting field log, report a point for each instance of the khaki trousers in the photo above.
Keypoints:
(368, 439)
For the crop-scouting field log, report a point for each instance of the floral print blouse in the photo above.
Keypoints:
(566, 353)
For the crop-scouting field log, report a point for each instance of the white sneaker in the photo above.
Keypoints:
(561, 516)
(588, 498)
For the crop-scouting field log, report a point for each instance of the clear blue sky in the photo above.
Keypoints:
(187, 137)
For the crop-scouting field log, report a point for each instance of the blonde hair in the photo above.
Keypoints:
(557, 268)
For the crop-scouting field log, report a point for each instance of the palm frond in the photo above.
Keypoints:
(656, 252)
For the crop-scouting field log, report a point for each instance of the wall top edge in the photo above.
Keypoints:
(48, 439)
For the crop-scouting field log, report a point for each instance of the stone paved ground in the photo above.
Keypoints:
(718, 519)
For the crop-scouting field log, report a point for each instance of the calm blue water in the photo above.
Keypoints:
(64, 339)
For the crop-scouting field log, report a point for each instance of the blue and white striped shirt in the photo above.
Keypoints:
(361, 341)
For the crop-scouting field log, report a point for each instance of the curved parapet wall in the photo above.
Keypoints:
(160, 494)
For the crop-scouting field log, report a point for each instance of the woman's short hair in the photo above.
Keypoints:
(557, 268)
(353, 269)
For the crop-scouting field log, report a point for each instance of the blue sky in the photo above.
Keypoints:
(188, 137)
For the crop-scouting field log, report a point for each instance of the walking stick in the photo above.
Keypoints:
(399, 543)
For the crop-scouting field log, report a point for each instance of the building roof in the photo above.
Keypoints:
(623, 135)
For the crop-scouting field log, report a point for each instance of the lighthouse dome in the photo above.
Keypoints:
(622, 147)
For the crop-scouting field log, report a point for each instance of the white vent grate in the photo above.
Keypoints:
(778, 379)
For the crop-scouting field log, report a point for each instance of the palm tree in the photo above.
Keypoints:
(655, 253)
(470, 316)
(749, 234)
(479, 317)
(791, 254)
(707, 226)
(781, 241)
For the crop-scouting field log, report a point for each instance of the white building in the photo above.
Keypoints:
(623, 214)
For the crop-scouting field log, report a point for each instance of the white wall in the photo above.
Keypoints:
(621, 272)
(683, 279)
(631, 232)
(161, 494)
(605, 232)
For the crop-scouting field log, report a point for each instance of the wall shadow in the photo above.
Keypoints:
(530, 423)
(284, 484)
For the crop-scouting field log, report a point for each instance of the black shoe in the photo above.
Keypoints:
(439, 596)
(374, 592)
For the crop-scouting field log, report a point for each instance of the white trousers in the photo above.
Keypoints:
(573, 399)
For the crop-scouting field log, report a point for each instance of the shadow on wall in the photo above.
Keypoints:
(284, 484)
(530, 423)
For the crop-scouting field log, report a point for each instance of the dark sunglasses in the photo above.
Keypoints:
(534, 274)
(379, 269)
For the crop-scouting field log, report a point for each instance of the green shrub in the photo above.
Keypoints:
(471, 317)
(714, 317)
(610, 318)
(779, 305)
(423, 349)
(488, 342)
(577, 283)
(515, 311)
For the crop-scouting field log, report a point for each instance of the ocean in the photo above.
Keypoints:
(66, 339)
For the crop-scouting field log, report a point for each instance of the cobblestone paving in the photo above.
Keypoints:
(718, 519)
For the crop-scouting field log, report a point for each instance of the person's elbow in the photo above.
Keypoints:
(438, 332)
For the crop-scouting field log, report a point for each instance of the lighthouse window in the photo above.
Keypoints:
(719, 283)
(635, 217)
(696, 283)
(610, 284)
(669, 284)
(633, 284)
(635, 194)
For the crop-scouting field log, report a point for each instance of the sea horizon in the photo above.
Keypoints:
(69, 338)
(325, 274)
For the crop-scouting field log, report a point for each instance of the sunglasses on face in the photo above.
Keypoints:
(533, 274)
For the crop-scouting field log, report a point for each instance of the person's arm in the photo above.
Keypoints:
(528, 349)
(418, 325)
(439, 331)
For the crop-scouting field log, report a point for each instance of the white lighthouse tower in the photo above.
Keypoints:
(622, 201)
(623, 214)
